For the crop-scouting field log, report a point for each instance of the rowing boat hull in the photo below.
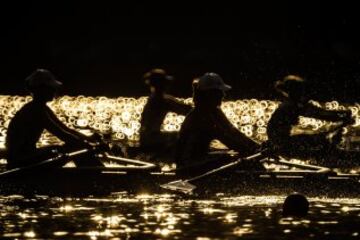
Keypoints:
(85, 182)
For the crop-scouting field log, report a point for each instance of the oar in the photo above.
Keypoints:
(138, 164)
(60, 157)
(316, 168)
(185, 186)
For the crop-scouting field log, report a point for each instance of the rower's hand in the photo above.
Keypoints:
(96, 137)
(268, 148)
(94, 142)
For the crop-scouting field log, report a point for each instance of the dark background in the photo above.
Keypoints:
(102, 49)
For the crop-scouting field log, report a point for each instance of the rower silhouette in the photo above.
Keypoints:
(207, 122)
(158, 105)
(33, 118)
(280, 129)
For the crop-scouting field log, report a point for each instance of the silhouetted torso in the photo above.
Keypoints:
(154, 113)
(200, 127)
(27, 126)
(282, 120)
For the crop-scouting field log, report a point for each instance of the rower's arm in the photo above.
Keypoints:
(60, 130)
(232, 137)
(313, 111)
(177, 106)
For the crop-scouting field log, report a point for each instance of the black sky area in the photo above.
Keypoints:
(102, 49)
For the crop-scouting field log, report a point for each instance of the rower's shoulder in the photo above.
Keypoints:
(32, 110)
(28, 107)
(172, 99)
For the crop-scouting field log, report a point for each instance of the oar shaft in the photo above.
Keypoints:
(76, 153)
(132, 161)
(229, 165)
(303, 165)
(47, 161)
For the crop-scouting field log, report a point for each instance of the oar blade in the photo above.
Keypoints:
(179, 186)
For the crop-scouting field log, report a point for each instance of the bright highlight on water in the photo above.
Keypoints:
(121, 116)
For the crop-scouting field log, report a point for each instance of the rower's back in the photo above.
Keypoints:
(282, 120)
(25, 130)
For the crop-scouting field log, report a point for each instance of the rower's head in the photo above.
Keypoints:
(209, 90)
(293, 87)
(42, 85)
(295, 205)
(157, 79)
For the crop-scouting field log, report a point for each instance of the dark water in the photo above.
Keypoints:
(121, 216)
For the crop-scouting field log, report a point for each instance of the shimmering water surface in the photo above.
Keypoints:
(123, 216)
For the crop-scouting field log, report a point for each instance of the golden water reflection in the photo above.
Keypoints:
(146, 216)
(121, 116)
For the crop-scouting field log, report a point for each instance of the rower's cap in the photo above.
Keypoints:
(157, 76)
(210, 81)
(42, 78)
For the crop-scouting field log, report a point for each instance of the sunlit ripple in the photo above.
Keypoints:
(241, 231)
(30, 234)
(60, 234)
